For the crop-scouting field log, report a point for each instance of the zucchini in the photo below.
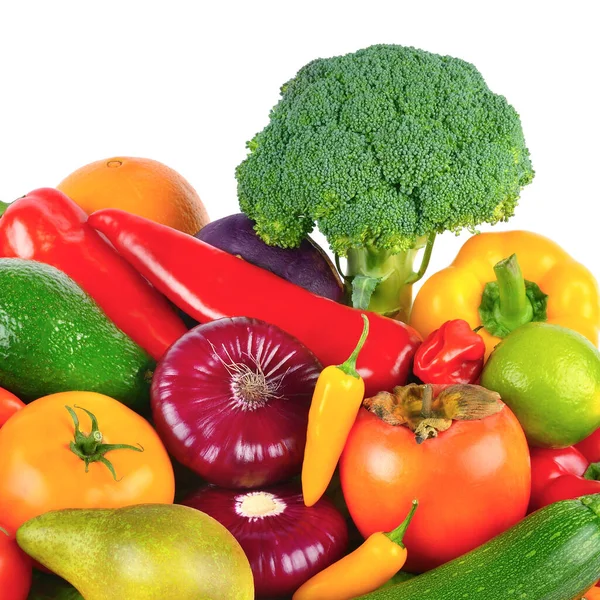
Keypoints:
(553, 554)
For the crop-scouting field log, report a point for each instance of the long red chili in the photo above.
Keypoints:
(47, 226)
(209, 284)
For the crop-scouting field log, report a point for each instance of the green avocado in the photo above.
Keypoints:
(141, 552)
(55, 338)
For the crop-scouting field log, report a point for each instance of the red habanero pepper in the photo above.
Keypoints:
(210, 284)
(561, 474)
(453, 353)
(47, 226)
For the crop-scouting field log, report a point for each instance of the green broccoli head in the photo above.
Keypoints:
(380, 148)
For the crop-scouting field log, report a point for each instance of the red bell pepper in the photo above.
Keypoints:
(590, 447)
(561, 474)
(47, 226)
(451, 354)
(210, 284)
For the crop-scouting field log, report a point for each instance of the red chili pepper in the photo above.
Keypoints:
(210, 284)
(590, 447)
(453, 353)
(47, 226)
(561, 474)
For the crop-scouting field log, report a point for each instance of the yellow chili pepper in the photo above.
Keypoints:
(335, 403)
(371, 565)
(487, 286)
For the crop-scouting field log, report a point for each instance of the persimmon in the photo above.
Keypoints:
(472, 482)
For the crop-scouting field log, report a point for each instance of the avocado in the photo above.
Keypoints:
(55, 338)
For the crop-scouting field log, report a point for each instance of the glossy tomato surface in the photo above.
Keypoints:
(15, 569)
(472, 482)
(39, 472)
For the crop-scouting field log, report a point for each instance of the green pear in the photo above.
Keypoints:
(142, 552)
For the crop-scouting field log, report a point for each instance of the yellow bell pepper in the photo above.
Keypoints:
(459, 291)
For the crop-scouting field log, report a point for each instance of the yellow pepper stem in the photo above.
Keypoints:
(349, 366)
(510, 301)
(514, 308)
(397, 535)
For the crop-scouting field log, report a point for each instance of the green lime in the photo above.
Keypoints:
(550, 377)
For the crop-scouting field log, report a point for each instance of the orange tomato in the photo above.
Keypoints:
(9, 405)
(39, 471)
(472, 482)
(141, 186)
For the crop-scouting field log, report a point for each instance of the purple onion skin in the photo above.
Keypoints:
(307, 266)
(206, 422)
(284, 550)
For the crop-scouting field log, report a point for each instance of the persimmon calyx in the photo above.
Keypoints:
(426, 414)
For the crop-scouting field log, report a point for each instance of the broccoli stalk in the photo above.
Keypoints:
(383, 149)
(382, 281)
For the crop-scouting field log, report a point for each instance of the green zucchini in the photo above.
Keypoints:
(553, 554)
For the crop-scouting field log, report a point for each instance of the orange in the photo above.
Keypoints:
(141, 186)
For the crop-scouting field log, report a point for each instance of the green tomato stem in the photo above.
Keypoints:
(89, 448)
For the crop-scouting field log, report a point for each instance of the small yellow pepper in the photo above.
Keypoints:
(337, 398)
(485, 286)
(366, 569)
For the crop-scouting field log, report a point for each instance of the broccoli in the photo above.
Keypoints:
(383, 149)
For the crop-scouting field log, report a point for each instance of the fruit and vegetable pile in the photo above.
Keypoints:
(218, 410)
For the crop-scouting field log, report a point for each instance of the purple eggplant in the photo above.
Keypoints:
(307, 266)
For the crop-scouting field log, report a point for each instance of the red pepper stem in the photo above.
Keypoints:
(397, 535)
(3, 207)
(349, 366)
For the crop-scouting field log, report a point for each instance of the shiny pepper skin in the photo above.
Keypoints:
(454, 353)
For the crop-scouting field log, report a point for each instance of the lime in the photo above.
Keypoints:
(550, 377)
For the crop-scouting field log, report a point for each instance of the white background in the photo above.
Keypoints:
(189, 83)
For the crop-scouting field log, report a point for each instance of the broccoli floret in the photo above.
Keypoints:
(383, 149)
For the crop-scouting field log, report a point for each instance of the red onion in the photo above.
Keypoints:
(230, 401)
(285, 542)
